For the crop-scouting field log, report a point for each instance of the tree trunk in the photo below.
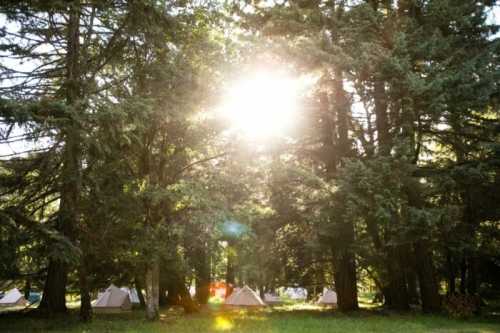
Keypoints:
(470, 223)
(152, 290)
(311, 293)
(203, 277)
(173, 295)
(85, 306)
(27, 289)
(396, 293)
(178, 294)
(262, 291)
(344, 259)
(451, 274)
(411, 280)
(345, 270)
(186, 301)
(411, 275)
(203, 290)
(345, 283)
(473, 280)
(382, 120)
(330, 157)
(429, 290)
(168, 294)
(230, 278)
(463, 275)
(54, 291)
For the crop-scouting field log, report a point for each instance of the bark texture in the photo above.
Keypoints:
(152, 291)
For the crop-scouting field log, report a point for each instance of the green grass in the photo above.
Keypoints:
(290, 319)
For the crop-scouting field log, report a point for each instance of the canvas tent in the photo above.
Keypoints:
(113, 300)
(272, 299)
(329, 297)
(296, 293)
(229, 298)
(13, 298)
(132, 294)
(244, 297)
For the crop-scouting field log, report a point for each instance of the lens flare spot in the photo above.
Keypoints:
(223, 324)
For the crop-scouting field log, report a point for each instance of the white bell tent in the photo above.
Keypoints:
(113, 300)
(244, 297)
(329, 297)
(13, 298)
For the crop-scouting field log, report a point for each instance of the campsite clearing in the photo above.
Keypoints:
(290, 319)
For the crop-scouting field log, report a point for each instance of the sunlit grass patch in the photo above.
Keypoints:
(366, 301)
(295, 318)
(299, 307)
(223, 323)
(11, 308)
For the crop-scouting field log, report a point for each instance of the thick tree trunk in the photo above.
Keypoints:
(178, 294)
(203, 290)
(152, 290)
(411, 275)
(345, 270)
(344, 259)
(396, 293)
(53, 299)
(429, 290)
(54, 291)
(345, 283)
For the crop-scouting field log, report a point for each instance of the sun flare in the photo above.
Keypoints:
(262, 105)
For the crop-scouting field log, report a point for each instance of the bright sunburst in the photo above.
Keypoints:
(262, 105)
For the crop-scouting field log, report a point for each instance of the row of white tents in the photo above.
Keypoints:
(247, 297)
(116, 299)
(113, 299)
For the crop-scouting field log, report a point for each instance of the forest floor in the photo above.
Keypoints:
(290, 319)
